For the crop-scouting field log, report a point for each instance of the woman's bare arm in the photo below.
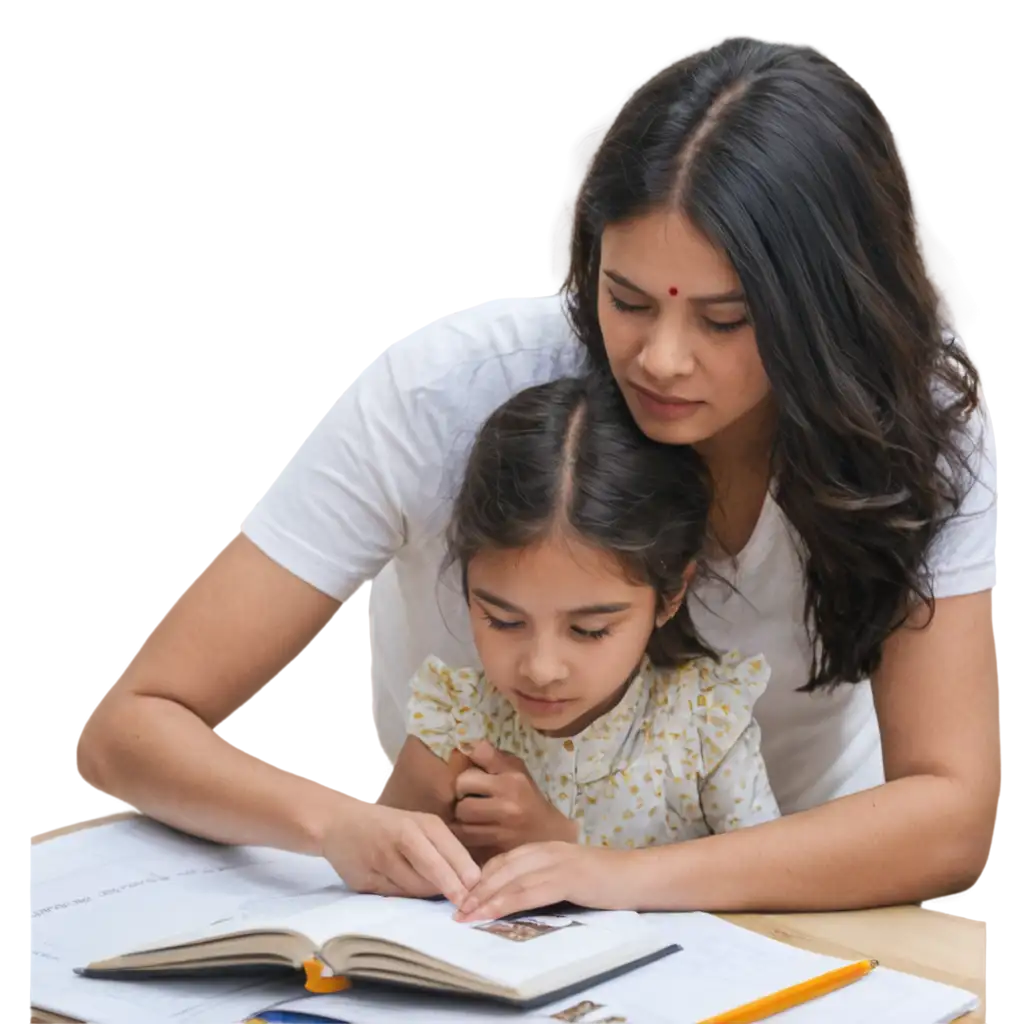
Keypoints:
(151, 740)
(925, 833)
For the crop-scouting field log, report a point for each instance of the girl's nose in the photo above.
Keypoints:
(543, 665)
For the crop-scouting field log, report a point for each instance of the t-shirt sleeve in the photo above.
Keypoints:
(336, 514)
(962, 559)
(733, 781)
(444, 707)
(378, 472)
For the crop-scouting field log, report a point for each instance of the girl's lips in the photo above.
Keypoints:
(541, 705)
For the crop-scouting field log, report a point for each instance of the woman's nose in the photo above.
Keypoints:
(668, 351)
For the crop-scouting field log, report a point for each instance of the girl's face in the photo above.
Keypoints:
(675, 328)
(559, 630)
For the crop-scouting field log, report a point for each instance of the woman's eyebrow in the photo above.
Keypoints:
(736, 295)
(625, 282)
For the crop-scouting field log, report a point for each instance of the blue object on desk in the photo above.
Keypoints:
(286, 1017)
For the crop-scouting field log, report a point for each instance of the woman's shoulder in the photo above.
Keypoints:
(500, 346)
(962, 557)
(426, 396)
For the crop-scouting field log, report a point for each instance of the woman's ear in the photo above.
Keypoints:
(671, 607)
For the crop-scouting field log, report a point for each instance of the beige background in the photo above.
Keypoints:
(210, 217)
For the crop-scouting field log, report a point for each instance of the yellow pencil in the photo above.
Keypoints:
(761, 1009)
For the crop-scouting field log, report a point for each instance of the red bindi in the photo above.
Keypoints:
(673, 290)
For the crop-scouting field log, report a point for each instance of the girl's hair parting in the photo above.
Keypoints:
(568, 457)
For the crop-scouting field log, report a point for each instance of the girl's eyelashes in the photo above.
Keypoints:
(500, 624)
(503, 625)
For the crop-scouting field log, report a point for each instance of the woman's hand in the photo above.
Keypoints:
(499, 807)
(399, 853)
(540, 874)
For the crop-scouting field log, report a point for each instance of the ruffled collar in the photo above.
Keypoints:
(596, 751)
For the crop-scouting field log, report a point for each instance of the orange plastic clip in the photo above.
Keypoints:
(316, 982)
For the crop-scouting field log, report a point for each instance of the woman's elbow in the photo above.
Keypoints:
(89, 755)
(964, 853)
(96, 753)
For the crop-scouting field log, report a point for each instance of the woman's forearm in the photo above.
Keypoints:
(161, 758)
(912, 839)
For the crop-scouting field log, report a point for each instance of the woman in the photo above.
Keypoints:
(744, 260)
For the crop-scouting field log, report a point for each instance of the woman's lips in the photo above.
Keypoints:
(665, 407)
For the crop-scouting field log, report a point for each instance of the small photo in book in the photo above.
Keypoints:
(523, 929)
(575, 1014)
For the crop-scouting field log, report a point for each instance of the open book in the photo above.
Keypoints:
(524, 961)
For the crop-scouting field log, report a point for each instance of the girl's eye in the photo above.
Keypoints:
(624, 307)
(591, 634)
(720, 327)
(500, 624)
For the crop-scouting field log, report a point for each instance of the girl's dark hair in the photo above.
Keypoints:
(568, 456)
(787, 166)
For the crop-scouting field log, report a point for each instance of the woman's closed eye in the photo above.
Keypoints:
(591, 634)
(716, 326)
(626, 307)
(725, 326)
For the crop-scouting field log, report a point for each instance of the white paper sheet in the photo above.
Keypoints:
(98, 892)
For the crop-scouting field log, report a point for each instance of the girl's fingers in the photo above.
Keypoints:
(480, 810)
(524, 892)
(476, 782)
(475, 836)
(499, 873)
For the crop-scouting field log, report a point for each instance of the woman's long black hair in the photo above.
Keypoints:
(788, 167)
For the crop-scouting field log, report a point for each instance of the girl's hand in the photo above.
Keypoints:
(399, 853)
(499, 807)
(541, 874)
(421, 781)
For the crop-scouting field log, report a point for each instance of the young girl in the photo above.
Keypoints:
(599, 716)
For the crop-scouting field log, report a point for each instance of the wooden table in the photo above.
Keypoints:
(923, 942)
(911, 939)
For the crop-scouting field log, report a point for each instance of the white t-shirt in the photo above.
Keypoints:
(368, 496)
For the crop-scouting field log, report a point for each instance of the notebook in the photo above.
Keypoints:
(721, 966)
(524, 961)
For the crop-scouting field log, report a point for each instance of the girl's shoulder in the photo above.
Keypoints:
(710, 689)
(438, 685)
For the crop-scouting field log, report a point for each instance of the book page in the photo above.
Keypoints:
(507, 952)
